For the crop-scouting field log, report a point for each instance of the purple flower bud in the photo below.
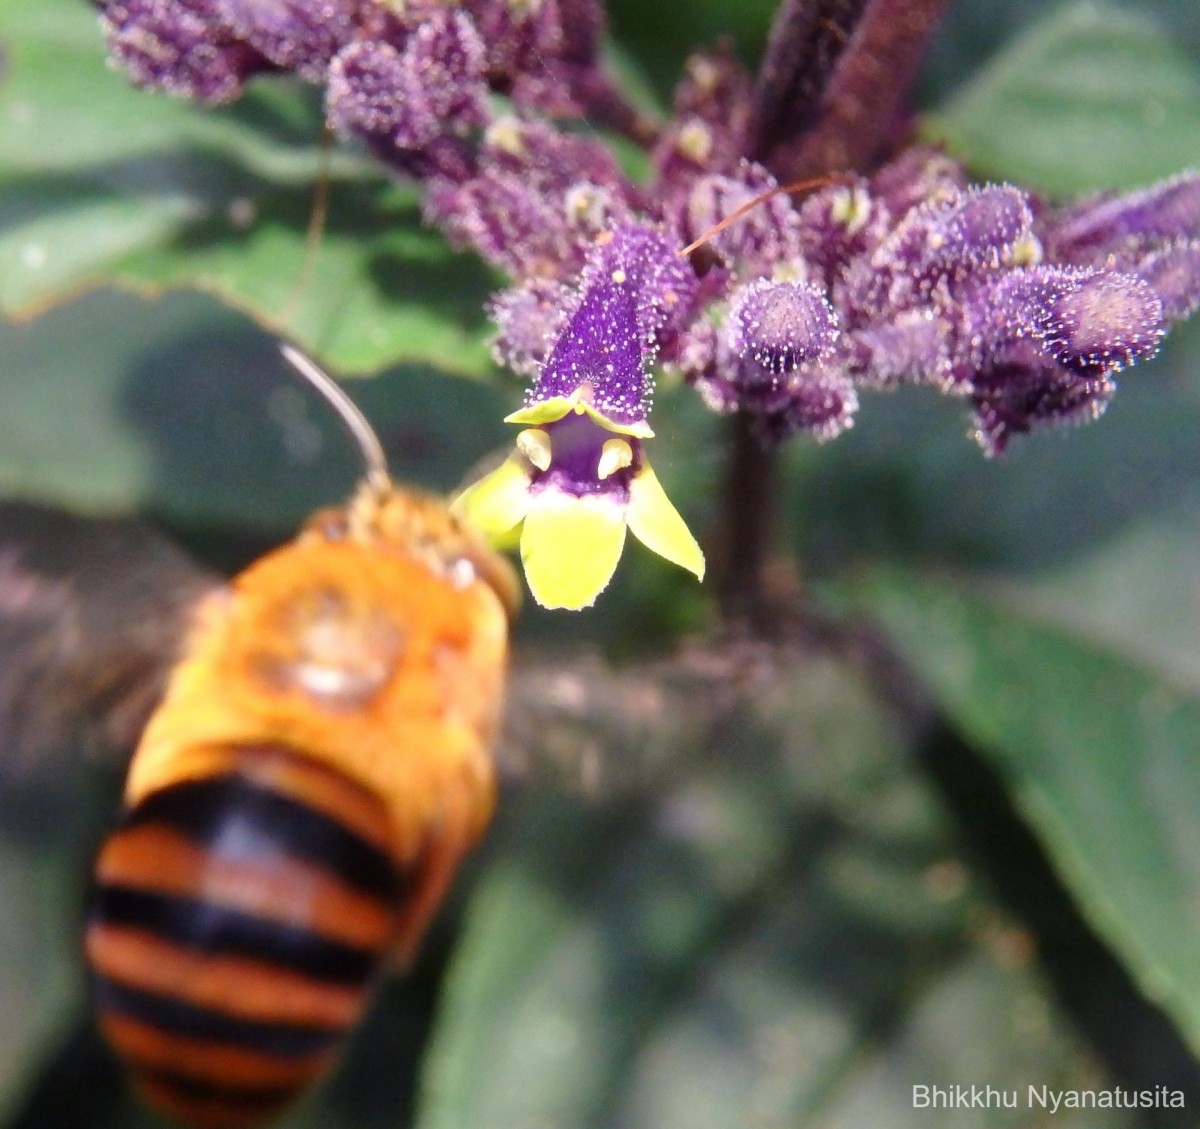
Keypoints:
(767, 235)
(550, 160)
(297, 35)
(1009, 307)
(708, 133)
(701, 358)
(1126, 224)
(914, 347)
(716, 89)
(820, 402)
(1106, 320)
(528, 319)
(838, 225)
(510, 225)
(447, 60)
(981, 230)
(539, 200)
(540, 53)
(918, 174)
(411, 97)
(1029, 390)
(367, 90)
(940, 243)
(180, 46)
(1174, 273)
(781, 325)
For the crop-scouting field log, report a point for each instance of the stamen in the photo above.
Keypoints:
(615, 455)
(534, 444)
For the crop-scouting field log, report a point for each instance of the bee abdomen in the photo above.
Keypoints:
(237, 926)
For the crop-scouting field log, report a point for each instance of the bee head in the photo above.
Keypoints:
(419, 524)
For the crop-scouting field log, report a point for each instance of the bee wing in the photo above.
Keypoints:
(92, 614)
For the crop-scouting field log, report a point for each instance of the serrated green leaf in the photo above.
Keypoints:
(1099, 752)
(1093, 97)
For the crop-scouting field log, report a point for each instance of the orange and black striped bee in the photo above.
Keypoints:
(300, 799)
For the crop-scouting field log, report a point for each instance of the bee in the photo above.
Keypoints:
(299, 801)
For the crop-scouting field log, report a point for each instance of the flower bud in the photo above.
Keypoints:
(297, 35)
(180, 46)
(1174, 273)
(432, 88)
(1159, 214)
(528, 319)
(781, 325)
(820, 402)
(1029, 390)
(1106, 320)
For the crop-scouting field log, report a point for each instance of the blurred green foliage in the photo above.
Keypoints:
(725, 888)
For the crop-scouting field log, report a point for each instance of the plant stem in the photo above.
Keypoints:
(748, 524)
(806, 41)
(866, 99)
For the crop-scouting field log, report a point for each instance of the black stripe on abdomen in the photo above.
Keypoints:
(177, 1017)
(201, 956)
(216, 930)
(241, 817)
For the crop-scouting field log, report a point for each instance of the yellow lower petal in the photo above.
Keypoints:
(570, 547)
(656, 523)
(496, 504)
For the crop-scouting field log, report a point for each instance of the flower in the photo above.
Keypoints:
(579, 477)
(895, 270)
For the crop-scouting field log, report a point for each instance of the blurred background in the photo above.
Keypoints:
(946, 833)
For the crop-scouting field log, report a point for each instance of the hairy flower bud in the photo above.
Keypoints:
(366, 93)
(941, 243)
(820, 402)
(1174, 273)
(1092, 229)
(528, 319)
(431, 88)
(296, 35)
(516, 229)
(1105, 319)
(1029, 390)
(781, 325)
(915, 346)
(767, 235)
(181, 46)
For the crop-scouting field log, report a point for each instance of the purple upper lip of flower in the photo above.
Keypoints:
(905, 274)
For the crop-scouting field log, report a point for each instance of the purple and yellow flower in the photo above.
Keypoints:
(579, 477)
(896, 271)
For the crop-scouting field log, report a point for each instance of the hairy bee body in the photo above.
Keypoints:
(298, 804)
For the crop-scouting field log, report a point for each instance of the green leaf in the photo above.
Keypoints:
(759, 918)
(64, 108)
(1093, 97)
(180, 407)
(100, 183)
(1099, 752)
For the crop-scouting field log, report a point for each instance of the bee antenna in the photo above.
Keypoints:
(347, 411)
(762, 198)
